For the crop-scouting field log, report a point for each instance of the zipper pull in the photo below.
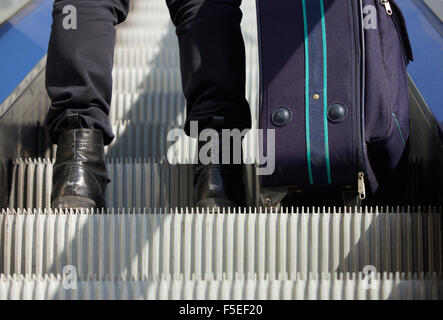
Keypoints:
(387, 6)
(361, 186)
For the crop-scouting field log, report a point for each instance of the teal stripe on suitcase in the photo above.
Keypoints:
(317, 140)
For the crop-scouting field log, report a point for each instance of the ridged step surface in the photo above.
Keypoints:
(152, 243)
(135, 183)
(311, 287)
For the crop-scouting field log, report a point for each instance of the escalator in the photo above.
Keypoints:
(151, 244)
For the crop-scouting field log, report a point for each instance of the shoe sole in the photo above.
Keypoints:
(73, 202)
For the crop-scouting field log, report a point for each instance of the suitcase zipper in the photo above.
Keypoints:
(387, 6)
(361, 186)
(393, 12)
(360, 49)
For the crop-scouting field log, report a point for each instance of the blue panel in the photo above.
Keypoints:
(427, 69)
(23, 43)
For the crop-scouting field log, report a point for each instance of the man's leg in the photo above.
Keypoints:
(79, 84)
(213, 69)
(79, 64)
(212, 61)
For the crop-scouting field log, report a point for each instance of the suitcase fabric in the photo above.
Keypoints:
(333, 85)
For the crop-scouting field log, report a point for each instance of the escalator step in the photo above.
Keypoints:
(135, 183)
(313, 287)
(159, 108)
(134, 141)
(148, 108)
(144, 243)
(149, 56)
(163, 80)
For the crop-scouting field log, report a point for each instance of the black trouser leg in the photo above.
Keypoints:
(212, 61)
(79, 64)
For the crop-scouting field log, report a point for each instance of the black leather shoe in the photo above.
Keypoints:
(218, 186)
(79, 174)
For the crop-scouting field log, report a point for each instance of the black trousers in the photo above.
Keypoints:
(212, 63)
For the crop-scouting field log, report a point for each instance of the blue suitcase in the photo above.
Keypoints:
(334, 87)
